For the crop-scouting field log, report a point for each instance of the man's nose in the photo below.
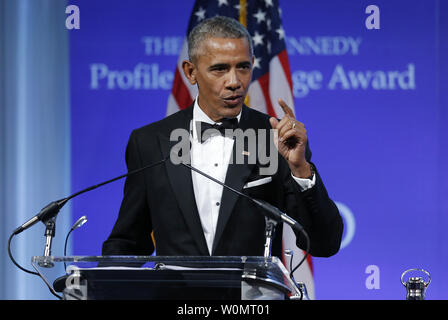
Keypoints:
(233, 81)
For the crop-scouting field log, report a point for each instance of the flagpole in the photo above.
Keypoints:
(243, 13)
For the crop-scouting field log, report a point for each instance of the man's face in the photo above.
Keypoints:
(222, 70)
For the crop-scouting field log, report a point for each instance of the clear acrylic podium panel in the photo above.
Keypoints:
(168, 277)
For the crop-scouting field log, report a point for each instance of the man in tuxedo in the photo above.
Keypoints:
(192, 215)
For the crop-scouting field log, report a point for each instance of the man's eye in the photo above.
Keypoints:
(245, 67)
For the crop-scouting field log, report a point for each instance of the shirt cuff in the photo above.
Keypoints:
(305, 184)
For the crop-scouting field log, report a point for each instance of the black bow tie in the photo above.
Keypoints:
(202, 127)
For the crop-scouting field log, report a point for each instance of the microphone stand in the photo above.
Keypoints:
(50, 225)
(49, 213)
(269, 232)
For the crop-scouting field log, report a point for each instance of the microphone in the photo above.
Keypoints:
(269, 211)
(48, 212)
(79, 223)
(53, 208)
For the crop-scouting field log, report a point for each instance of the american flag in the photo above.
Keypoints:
(271, 79)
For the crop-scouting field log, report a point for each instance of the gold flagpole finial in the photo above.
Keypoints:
(243, 21)
(243, 13)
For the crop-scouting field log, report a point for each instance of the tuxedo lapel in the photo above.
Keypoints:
(236, 177)
(181, 182)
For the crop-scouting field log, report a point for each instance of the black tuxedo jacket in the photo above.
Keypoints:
(161, 199)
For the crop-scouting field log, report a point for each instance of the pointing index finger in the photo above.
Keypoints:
(286, 109)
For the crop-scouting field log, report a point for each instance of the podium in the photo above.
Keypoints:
(170, 278)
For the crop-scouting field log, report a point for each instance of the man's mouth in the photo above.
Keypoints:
(233, 100)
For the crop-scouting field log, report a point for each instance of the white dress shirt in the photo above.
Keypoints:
(212, 157)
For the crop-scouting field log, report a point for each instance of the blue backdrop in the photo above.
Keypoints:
(374, 103)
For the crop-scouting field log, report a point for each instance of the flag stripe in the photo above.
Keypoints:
(264, 84)
(279, 87)
(182, 95)
(257, 100)
(182, 57)
(283, 57)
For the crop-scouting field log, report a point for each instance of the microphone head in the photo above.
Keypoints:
(79, 222)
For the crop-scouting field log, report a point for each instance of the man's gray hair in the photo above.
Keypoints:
(216, 27)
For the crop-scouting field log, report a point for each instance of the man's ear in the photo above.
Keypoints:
(190, 71)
